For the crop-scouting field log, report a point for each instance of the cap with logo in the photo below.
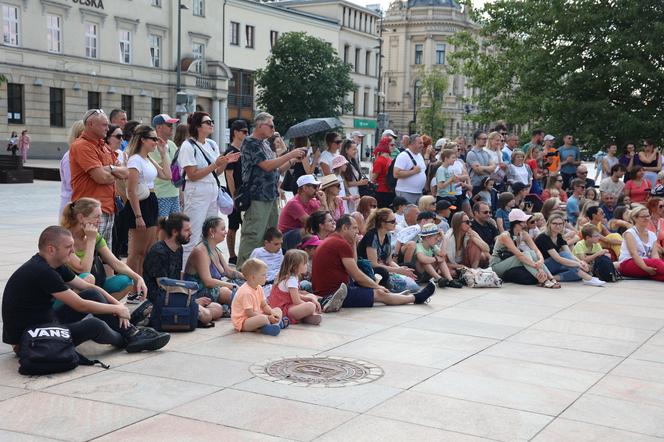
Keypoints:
(163, 119)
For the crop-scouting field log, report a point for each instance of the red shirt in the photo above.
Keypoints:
(328, 271)
(289, 219)
(380, 167)
(86, 154)
(638, 194)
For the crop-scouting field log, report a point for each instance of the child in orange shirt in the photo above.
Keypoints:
(249, 310)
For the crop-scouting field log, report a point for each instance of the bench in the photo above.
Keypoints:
(12, 171)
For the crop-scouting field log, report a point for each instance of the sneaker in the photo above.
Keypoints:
(333, 302)
(594, 282)
(423, 295)
(134, 298)
(454, 284)
(232, 260)
(146, 338)
(141, 314)
(270, 329)
(442, 282)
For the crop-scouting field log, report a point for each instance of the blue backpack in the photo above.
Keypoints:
(175, 308)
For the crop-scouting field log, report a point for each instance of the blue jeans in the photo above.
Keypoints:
(565, 273)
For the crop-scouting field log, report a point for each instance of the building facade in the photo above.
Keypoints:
(415, 40)
(62, 57)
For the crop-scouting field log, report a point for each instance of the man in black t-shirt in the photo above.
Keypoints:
(239, 131)
(30, 293)
(164, 259)
(484, 225)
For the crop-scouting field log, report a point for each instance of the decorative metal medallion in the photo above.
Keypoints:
(328, 371)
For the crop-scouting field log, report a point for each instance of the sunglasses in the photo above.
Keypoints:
(208, 122)
(391, 221)
(93, 112)
(118, 136)
(155, 139)
(271, 126)
(467, 221)
(337, 141)
(485, 212)
(660, 207)
(245, 131)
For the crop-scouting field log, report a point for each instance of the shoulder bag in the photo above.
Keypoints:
(224, 200)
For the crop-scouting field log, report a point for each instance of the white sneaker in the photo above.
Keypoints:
(594, 282)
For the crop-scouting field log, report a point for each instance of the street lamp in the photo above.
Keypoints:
(179, 55)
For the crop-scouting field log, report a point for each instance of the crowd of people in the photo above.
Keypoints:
(425, 214)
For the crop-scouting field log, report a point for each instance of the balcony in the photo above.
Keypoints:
(238, 100)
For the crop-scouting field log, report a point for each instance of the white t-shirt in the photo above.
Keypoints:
(327, 157)
(190, 155)
(614, 188)
(290, 283)
(520, 174)
(414, 183)
(272, 260)
(457, 169)
(146, 170)
(408, 233)
(642, 249)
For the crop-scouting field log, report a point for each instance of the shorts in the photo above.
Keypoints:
(234, 220)
(168, 205)
(358, 296)
(149, 211)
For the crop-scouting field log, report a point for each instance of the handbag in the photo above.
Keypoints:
(224, 200)
(481, 278)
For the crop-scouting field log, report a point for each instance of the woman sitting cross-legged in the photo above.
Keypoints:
(516, 258)
(463, 246)
(557, 256)
(376, 246)
(640, 253)
(208, 268)
(82, 219)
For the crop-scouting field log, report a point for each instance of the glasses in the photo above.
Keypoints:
(337, 141)
(485, 212)
(93, 112)
(557, 224)
(155, 139)
(245, 131)
(271, 126)
(660, 207)
(644, 216)
(466, 221)
(168, 124)
(118, 136)
(559, 181)
(208, 122)
(391, 221)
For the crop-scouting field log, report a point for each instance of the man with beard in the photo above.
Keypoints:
(165, 257)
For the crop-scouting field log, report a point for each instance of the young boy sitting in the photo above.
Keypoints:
(590, 251)
(429, 259)
(398, 205)
(272, 255)
(249, 310)
(405, 244)
(444, 212)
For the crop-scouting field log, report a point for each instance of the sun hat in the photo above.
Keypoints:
(518, 215)
(307, 179)
(429, 229)
(328, 180)
(339, 161)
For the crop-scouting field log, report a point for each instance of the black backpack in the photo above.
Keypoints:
(47, 349)
(603, 269)
(389, 179)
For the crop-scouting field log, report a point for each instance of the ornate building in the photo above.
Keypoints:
(415, 39)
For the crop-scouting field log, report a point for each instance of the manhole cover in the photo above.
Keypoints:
(328, 371)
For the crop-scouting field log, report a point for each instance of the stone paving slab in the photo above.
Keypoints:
(517, 363)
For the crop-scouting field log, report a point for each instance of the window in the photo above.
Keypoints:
(54, 33)
(94, 100)
(14, 103)
(274, 36)
(357, 60)
(199, 54)
(365, 107)
(440, 53)
(367, 62)
(235, 33)
(418, 54)
(156, 106)
(57, 105)
(91, 35)
(10, 25)
(127, 104)
(355, 99)
(249, 31)
(125, 46)
(346, 53)
(199, 8)
(377, 67)
(156, 3)
(155, 50)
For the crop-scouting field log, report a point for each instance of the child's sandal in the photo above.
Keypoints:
(284, 323)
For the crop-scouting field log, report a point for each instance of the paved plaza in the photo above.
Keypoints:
(516, 363)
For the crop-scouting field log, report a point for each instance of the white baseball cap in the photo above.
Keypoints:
(549, 138)
(389, 132)
(307, 179)
(357, 133)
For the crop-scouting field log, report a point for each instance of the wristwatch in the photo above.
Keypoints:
(112, 168)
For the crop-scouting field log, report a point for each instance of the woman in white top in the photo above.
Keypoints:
(65, 170)
(640, 254)
(494, 146)
(142, 209)
(200, 159)
(519, 171)
(333, 141)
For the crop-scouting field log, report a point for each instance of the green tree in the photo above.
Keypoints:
(304, 78)
(588, 67)
(430, 116)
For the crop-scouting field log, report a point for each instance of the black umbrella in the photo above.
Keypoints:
(313, 126)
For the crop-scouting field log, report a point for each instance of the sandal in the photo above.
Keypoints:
(285, 322)
(550, 284)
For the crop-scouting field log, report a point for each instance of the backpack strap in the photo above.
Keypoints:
(411, 158)
(82, 360)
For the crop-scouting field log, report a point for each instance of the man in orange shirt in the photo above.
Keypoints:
(93, 169)
(551, 155)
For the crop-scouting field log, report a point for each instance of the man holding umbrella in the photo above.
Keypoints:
(261, 168)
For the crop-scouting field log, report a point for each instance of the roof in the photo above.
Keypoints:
(433, 3)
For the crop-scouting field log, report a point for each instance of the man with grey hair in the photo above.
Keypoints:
(410, 171)
(94, 170)
(582, 174)
(261, 168)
